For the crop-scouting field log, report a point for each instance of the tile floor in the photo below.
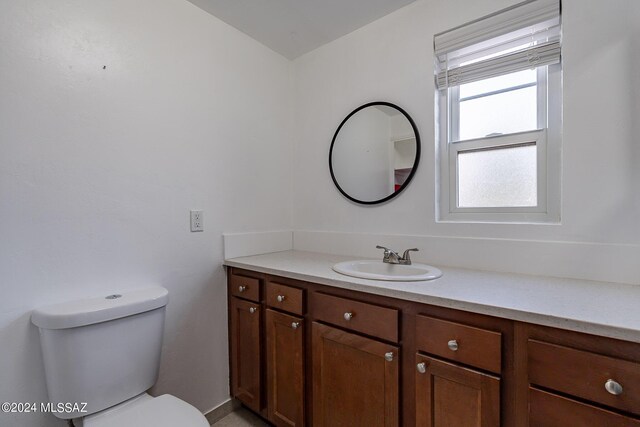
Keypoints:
(241, 418)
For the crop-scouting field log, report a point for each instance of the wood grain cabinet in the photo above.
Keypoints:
(267, 347)
(285, 369)
(245, 352)
(452, 395)
(452, 387)
(550, 410)
(369, 319)
(305, 354)
(580, 380)
(355, 380)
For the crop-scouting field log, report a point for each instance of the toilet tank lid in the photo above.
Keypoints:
(100, 309)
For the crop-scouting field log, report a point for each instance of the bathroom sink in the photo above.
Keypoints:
(377, 270)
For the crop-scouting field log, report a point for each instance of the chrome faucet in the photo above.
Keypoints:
(406, 258)
(392, 257)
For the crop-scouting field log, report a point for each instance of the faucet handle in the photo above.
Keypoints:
(387, 253)
(406, 256)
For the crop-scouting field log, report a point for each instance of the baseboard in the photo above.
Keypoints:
(221, 411)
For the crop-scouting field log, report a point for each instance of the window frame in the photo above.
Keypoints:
(547, 139)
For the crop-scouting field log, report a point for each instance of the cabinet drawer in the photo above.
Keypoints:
(369, 319)
(285, 298)
(549, 410)
(584, 374)
(244, 287)
(472, 346)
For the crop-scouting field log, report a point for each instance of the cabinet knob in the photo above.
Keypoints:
(294, 325)
(453, 345)
(388, 356)
(242, 288)
(422, 367)
(280, 298)
(252, 310)
(613, 387)
(348, 316)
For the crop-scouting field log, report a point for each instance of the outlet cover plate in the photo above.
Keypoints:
(197, 223)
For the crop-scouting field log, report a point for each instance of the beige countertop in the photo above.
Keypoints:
(599, 308)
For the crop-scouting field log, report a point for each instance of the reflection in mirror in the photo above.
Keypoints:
(374, 153)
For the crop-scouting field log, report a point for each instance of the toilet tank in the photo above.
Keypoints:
(101, 351)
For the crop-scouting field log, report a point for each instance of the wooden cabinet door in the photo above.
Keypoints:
(355, 380)
(244, 335)
(448, 395)
(285, 369)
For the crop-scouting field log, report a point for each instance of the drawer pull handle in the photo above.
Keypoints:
(422, 367)
(388, 356)
(280, 298)
(294, 325)
(242, 288)
(252, 310)
(613, 387)
(348, 316)
(453, 345)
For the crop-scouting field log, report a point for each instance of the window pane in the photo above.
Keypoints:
(507, 112)
(499, 177)
(498, 83)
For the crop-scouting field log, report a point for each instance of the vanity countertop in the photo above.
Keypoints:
(599, 308)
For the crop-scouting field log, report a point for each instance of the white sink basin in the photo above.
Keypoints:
(378, 270)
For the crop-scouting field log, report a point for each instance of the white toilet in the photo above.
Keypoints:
(105, 352)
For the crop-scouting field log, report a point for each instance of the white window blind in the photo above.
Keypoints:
(522, 37)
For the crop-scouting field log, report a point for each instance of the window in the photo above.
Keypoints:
(499, 94)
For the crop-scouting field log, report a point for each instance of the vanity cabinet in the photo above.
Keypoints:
(578, 379)
(550, 410)
(453, 387)
(285, 369)
(374, 320)
(305, 354)
(285, 360)
(452, 395)
(355, 380)
(245, 351)
(267, 347)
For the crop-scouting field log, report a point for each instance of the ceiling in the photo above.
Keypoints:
(295, 27)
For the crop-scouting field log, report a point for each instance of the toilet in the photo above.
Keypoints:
(101, 355)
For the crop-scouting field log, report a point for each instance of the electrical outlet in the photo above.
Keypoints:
(197, 223)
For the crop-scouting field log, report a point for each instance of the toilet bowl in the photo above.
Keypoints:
(102, 354)
(147, 411)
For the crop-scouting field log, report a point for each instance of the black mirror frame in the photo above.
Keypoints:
(413, 169)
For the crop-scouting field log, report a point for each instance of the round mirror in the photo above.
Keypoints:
(374, 153)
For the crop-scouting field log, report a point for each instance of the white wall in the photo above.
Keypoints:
(99, 168)
(392, 60)
(404, 153)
